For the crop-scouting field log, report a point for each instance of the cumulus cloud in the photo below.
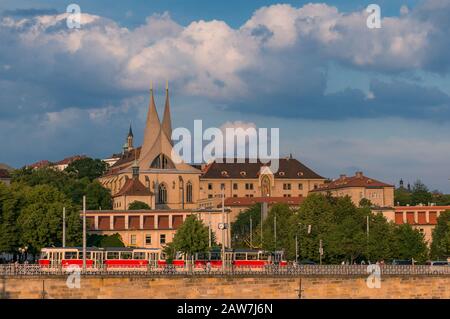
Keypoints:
(278, 57)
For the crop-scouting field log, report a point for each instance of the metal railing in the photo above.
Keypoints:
(272, 270)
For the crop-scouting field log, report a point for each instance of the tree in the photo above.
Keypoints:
(420, 194)
(137, 205)
(364, 202)
(315, 214)
(87, 167)
(409, 243)
(192, 237)
(9, 211)
(440, 246)
(280, 219)
(380, 239)
(40, 218)
(240, 229)
(402, 196)
(69, 184)
(105, 241)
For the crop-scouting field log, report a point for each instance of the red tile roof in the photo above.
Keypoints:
(133, 187)
(40, 164)
(249, 201)
(359, 180)
(70, 159)
(289, 168)
(4, 173)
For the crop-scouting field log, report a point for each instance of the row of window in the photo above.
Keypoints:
(249, 186)
(162, 193)
(148, 239)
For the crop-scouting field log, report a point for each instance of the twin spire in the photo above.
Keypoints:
(153, 126)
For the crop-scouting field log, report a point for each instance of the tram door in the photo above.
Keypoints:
(97, 257)
(228, 259)
(152, 259)
(55, 258)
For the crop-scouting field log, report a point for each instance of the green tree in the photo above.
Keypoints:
(420, 194)
(87, 167)
(105, 241)
(192, 237)
(137, 205)
(440, 246)
(69, 184)
(380, 239)
(280, 219)
(409, 243)
(9, 212)
(364, 202)
(315, 214)
(240, 229)
(40, 219)
(402, 197)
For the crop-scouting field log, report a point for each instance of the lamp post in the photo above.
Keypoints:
(84, 233)
(64, 228)
(223, 227)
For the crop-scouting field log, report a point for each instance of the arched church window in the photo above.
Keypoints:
(162, 162)
(189, 192)
(162, 194)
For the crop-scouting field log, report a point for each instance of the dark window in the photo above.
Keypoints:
(148, 239)
(189, 192)
(162, 194)
(235, 186)
(162, 239)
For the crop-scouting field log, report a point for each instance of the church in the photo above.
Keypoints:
(216, 192)
(148, 174)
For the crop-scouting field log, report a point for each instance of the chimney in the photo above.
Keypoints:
(359, 174)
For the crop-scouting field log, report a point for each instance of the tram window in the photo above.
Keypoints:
(112, 255)
(70, 255)
(139, 255)
(215, 256)
(240, 256)
(88, 255)
(44, 255)
(263, 256)
(126, 255)
(252, 256)
(202, 256)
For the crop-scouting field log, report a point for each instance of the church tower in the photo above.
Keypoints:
(167, 121)
(130, 139)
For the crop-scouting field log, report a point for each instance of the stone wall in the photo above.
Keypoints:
(228, 287)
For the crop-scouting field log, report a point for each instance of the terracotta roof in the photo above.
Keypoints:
(421, 208)
(5, 166)
(127, 158)
(70, 159)
(40, 164)
(133, 187)
(4, 173)
(289, 168)
(359, 180)
(248, 201)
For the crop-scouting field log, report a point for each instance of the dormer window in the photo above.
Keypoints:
(300, 174)
(281, 173)
(224, 173)
(243, 173)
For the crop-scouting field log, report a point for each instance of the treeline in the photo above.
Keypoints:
(419, 193)
(31, 208)
(340, 226)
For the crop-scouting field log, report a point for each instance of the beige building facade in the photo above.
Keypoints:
(360, 187)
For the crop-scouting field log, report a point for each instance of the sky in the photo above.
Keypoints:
(344, 96)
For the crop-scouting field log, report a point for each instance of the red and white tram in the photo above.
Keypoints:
(144, 258)
(109, 258)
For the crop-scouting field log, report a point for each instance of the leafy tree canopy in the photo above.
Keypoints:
(137, 205)
(87, 167)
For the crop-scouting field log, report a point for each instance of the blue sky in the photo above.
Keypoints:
(345, 97)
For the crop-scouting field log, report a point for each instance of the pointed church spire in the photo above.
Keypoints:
(167, 121)
(152, 125)
(130, 131)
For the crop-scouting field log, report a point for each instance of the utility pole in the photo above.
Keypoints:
(320, 252)
(223, 228)
(209, 229)
(64, 228)
(296, 248)
(367, 227)
(84, 233)
(251, 232)
(275, 230)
